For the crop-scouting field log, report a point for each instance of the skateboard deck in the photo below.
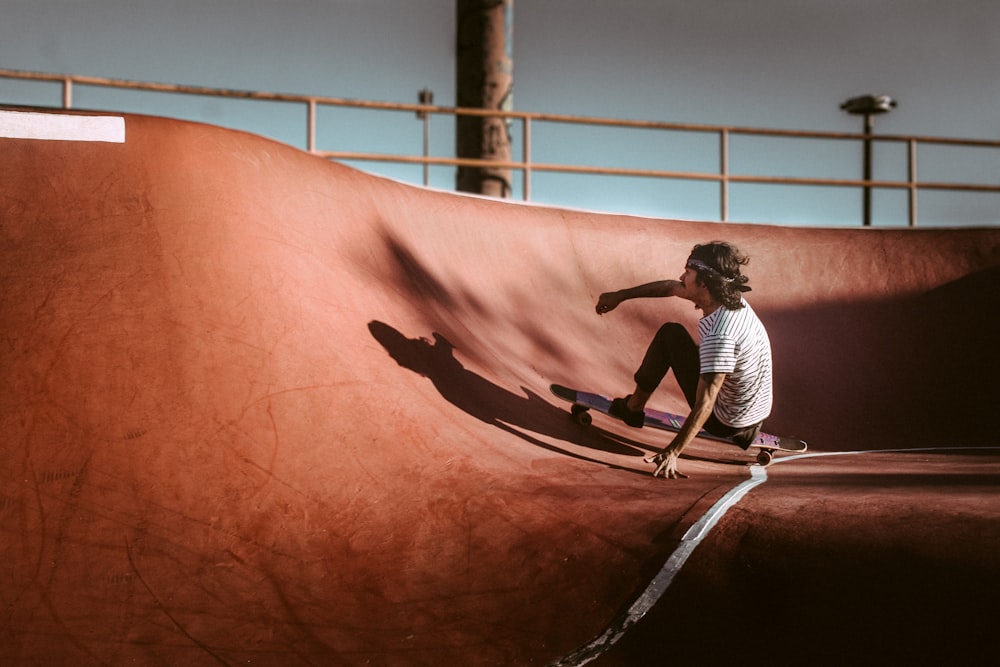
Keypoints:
(584, 401)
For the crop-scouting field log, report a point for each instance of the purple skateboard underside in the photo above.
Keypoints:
(670, 422)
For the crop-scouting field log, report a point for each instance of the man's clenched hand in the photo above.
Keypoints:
(608, 302)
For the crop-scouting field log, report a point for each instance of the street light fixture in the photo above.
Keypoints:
(868, 106)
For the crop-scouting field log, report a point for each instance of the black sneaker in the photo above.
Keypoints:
(746, 437)
(619, 408)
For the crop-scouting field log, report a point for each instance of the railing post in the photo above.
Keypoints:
(67, 93)
(724, 171)
(426, 96)
(526, 157)
(427, 149)
(311, 126)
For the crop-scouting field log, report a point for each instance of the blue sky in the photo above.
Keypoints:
(754, 63)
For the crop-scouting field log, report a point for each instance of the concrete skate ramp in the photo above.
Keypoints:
(260, 408)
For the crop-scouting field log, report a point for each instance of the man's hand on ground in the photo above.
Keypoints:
(666, 464)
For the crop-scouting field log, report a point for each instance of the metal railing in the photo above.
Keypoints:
(528, 120)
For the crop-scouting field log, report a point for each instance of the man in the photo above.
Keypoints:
(727, 378)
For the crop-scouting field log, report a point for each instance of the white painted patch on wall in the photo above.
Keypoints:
(61, 127)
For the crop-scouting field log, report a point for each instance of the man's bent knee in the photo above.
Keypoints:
(672, 331)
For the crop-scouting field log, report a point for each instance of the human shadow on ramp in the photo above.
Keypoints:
(492, 404)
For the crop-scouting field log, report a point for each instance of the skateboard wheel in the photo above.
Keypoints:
(764, 457)
(581, 414)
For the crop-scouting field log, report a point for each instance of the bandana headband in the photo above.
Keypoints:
(699, 265)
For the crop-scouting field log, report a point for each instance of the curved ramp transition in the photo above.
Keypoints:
(260, 408)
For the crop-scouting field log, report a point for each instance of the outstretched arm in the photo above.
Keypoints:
(709, 385)
(661, 288)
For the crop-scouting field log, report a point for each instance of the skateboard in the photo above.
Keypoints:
(583, 402)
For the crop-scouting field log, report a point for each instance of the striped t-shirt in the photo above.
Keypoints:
(734, 342)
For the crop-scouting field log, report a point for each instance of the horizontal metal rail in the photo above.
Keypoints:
(528, 119)
(648, 173)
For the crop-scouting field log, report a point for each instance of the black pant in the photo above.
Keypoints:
(673, 348)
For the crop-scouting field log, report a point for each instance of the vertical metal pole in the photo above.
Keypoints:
(426, 96)
(527, 160)
(67, 93)
(867, 213)
(484, 80)
(311, 127)
(427, 149)
(724, 169)
(912, 177)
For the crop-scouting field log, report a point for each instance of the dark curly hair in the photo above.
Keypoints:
(718, 267)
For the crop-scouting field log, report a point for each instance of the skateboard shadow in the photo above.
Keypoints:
(492, 404)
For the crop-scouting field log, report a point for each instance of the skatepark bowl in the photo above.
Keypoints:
(260, 408)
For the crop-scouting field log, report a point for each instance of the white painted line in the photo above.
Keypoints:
(61, 127)
(907, 450)
(694, 535)
(658, 586)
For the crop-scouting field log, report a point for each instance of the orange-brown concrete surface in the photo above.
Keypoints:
(258, 408)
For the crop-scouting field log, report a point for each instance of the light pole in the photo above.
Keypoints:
(484, 79)
(868, 106)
